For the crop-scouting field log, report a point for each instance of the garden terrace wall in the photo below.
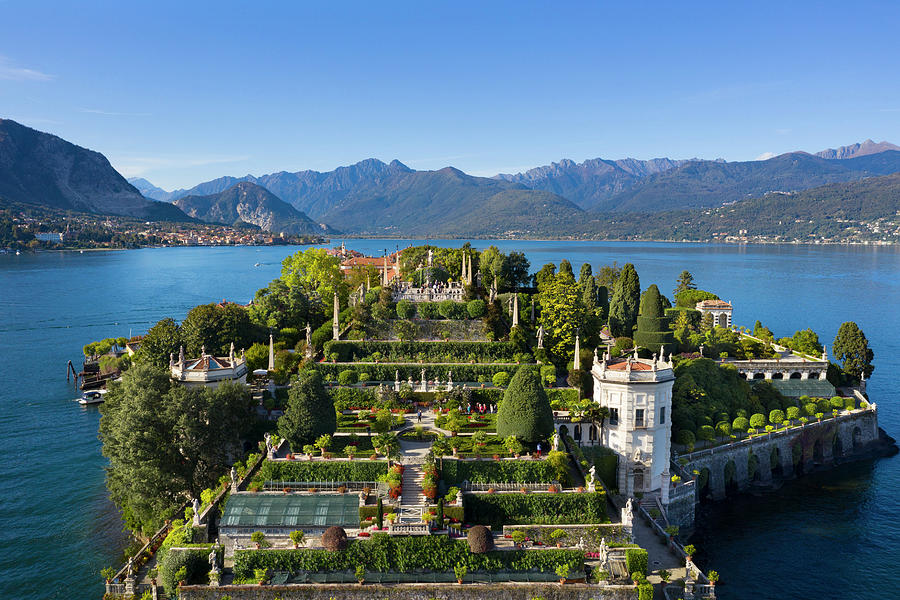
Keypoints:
(384, 553)
(299, 470)
(454, 472)
(388, 371)
(352, 350)
(588, 535)
(412, 591)
(463, 330)
(518, 508)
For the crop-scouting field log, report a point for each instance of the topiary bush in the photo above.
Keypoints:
(525, 411)
(480, 539)
(500, 379)
(636, 560)
(348, 377)
(334, 539)
(406, 309)
(475, 308)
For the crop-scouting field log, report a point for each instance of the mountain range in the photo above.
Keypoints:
(246, 202)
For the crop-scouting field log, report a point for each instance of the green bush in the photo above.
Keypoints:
(406, 309)
(369, 470)
(517, 508)
(403, 351)
(382, 553)
(500, 379)
(475, 308)
(525, 411)
(757, 420)
(636, 560)
(427, 310)
(455, 472)
(193, 560)
(348, 377)
(740, 424)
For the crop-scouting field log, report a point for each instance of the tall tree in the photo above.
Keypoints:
(517, 268)
(493, 267)
(608, 275)
(166, 443)
(562, 313)
(652, 325)
(684, 282)
(584, 274)
(316, 272)
(310, 412)
(566, 267)
(545, 276)
(161, 341)
(216, 327)
(525, 411)
(852, 348)
(623, 308)
(278, 306)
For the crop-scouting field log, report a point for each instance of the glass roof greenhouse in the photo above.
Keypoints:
(291, 510)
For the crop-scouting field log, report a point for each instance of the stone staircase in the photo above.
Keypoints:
(412, 498)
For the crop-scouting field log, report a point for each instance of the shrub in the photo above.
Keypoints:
(505, 471)
(190, 565)
(475, 308)
(740, 424)
(525, 411)
(258, 538)
(500, 379)
(706, 432)
(334, 539)
(776, 416)
(636, 560)
(686, 437)
(406, 309)
(497, 510)
(480, 539)
(757, 420)
(793, 412)
(296, 537)
(690, 549)
(809, 408)
(348, 377)
(321, 471)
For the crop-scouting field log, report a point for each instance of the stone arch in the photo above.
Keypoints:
(813, 375)
(759, 376)
(722, 320)
(775, 461)
(742, 375)
(563, 430)
(797, 458)
(796, 375)
(817, 453)
(730, 477)
(857, 438)
(592, 433)
(577, 435)
(753, 471)
(703, 482)
(777, 375)
(837, 446)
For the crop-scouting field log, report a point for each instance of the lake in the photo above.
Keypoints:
(834, 534)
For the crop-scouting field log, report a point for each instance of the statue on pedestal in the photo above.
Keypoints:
(234, 479)
(555, 441)
(592, 481)
(540, 336)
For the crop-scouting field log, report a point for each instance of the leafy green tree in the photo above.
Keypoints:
(685, 282)
(475, 308)
(608, 275)
(562, 313)
(517, 267)
(584, 274)
(740, 424)
(690, 298)
(525, 411)
(652, 327)
(279, 306)
(310, 411)
(315, 272)
(163, 340)
(493, 267)
(852, 348)
(806, 341)
(757, 420)
(623, 308)
(166, 443)
(216, 327)
(406, 309)
(545, 276)
(763, 333)
(565, 267)
(776, 416)
(257, 356)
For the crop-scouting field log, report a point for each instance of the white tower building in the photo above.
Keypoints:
(638, 394)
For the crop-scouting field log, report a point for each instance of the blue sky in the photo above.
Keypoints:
(182, 92)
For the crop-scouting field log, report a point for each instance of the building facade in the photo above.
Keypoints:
(208, 370)
(719, 309)
(638, 394)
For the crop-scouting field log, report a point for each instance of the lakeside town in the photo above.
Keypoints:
(444, 421)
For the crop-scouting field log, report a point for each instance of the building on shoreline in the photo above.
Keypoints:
(208, 370)
(719, 309)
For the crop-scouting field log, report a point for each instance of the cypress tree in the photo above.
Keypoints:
(525, 411)
(623, 309)
(310, 412)
(652, 326)
(852, 348)
(380, 514)
(440, 514)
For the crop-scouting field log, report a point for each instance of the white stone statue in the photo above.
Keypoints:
(628, 513)
(234, 478)
(555, 441)
(592, 481)
(308, 335)
(604, 551)
(540, 336)
(195, 504)
(213, 562)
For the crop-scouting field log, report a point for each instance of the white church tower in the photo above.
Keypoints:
(638, 394)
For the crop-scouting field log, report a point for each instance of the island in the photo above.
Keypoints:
(445, 422)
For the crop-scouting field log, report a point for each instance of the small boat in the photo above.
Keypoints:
(18, 253)
(91, 397)
(256, 265)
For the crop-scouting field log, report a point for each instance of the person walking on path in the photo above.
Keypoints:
(420, 415)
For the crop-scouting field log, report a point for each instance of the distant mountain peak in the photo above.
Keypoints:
(859, 149)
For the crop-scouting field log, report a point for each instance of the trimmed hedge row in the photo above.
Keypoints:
(497, 510)
(351, 350)
(403, 554)
(386, 372)
(194, 559)
(298, 470)
(455, 472)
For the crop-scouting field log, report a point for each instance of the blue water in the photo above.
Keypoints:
(834, 535)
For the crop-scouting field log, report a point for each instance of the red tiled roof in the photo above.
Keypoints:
(622, 365)
(713, 304)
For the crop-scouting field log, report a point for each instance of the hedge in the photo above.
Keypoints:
(455, 472)
(636, 560)
(517, 508)
(195, 559)
(387, 372)
(607, 463)
(298, 470)
(352, 350)
(383, 553)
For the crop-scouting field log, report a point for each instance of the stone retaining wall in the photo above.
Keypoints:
(418, 591)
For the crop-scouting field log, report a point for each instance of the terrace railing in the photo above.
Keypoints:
(377, 487)
(468, 486)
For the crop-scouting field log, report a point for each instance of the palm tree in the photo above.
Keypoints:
(440, 448)
(597, 415)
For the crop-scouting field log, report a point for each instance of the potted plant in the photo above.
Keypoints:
(107, 573)
(518, 537)
(713, 577)
(360, 574)
(258, 538)
(309, 450)
(460, 570)
(260, 575)
(664, 575)
(297, 538)
(181, 575)
(689, 550)
(562, 571)
(557, 535)
(672, 531)
(153, 574)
